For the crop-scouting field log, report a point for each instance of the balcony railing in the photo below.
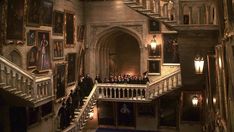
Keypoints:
(124, 92)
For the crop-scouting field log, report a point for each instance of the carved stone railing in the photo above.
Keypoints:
(177, 12)
(120, 92)
(83, 116)
(164, 85)
(124, 92)
(21, 83)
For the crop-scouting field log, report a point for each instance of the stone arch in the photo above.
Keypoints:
(15, 57)
(99, 47)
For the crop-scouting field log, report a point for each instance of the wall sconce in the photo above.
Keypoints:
(195, 101)
(153, 43)
(199, 64)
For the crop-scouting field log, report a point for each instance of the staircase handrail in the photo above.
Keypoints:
(121, 85)
(77, 126)
(15, 67)
(165, 77)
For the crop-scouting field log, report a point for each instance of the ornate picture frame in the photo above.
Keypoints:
(46, 12)
(15, 20)
(31, 38)
(58, 22)
(58, 49)
(60, 79)
(71, 68)
(170, 49)
(69, 29)
(33, 13)
(154, 66)
(32, 58)
(43, 45)
(154, 26)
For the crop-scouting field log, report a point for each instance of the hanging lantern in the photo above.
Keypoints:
(199, 64)
(195, 101)
(153, 43)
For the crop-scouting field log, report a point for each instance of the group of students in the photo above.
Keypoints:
(74, 100)
(124, 79)
(84, 87)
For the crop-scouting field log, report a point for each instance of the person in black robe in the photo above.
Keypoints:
(62, 114)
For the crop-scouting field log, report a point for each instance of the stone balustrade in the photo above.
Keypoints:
(178, 11)
(20, 81)
(124, 92)
(112, 91)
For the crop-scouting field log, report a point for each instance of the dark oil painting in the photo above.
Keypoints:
(170, 49)
(58, 22)
(31, 38)
(46, 12)
(33, 12)
(69, 30)
(71, 75)
(32, 57)
(58, 49)
(15, 22)
(60, 80)
(154, 67)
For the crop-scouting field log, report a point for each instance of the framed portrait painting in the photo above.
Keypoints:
(43, 45)
(46, 12)
(15, 20)
(154, 26)
(170, 49)
(154, 67)
(31, 38)
(71, 70)
(154, 52)
(58, 50)
(60, 79)
(33, 12)
(69, 29)
(58, 22)
(32, 57)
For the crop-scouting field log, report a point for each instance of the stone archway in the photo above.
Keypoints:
(116, 51)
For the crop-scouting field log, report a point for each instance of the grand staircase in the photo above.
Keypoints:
(172, 12)
(124, 92)
(23, 87)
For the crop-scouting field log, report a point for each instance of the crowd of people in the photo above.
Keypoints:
(84, 87)
(74, 100)
(123, 79)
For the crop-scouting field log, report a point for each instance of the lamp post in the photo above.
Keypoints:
(199, 64)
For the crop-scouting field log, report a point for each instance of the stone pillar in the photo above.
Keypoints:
(190, 15)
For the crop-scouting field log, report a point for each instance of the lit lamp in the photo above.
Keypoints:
(153, 43)
(199, 64)
(195, 101)
(91, 115)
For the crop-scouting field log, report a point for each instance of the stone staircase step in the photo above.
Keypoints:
(12, 90)
(135, 6)
(129, 2)
(2, 84)
(6, 87)
(143, 10)
(18, 92)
